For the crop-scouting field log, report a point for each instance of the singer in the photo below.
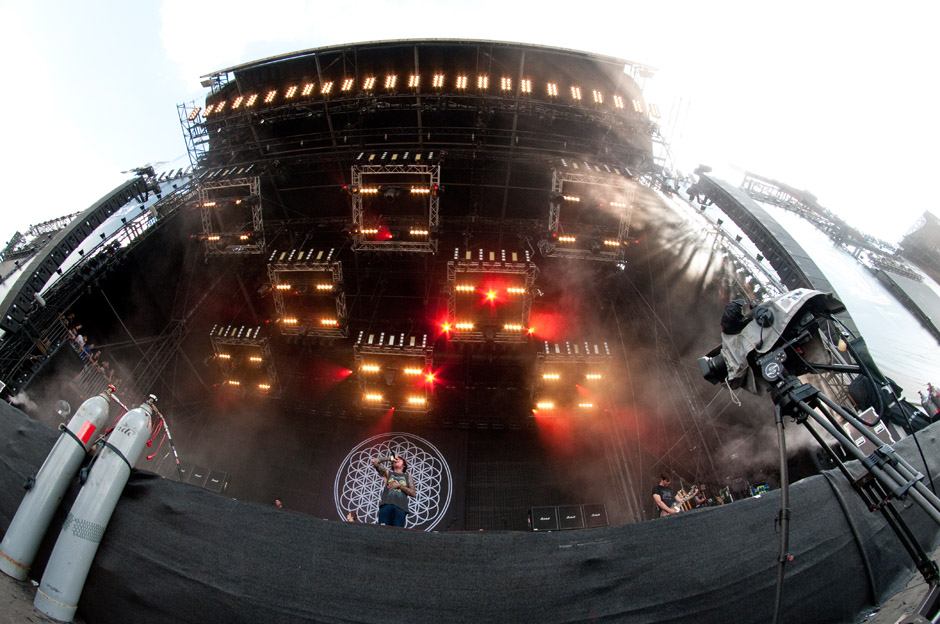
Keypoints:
(399, 486)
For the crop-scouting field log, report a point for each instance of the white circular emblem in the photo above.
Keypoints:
(358, 487)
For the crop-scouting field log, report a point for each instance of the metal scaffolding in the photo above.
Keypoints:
(246, 237)
(430, 176)
(293, 273)
(588, 242)
(481, 265)
(242, 351)
(394, 371)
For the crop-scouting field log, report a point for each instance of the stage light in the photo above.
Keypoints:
(369, 231)
(571, 198)
(373, 190)
(208, 110)
(232, 382)
(429, 378)
(326, 88)
(461, 82)
(566, 239)
(244, 237)
(270, 96)
(551, 376)
(415, 190)
(289, 321)
(592, 376)
(491, 295)
(264, 386)
(505, 83)
(467, 288)
(585, 405)
(219, 106)
(329, 322)
(414, 81)
(417, 401)
(611, 243)
(368, 83)
(308, 89)
(213, 238)
(195, 113)
(251, 100)
(654, 110)
(466, 326)
(545, 405)
(576, 93)
(391, 81)
(369, 368)
(373, 397)
(412, 371)
(552, 89)
(283, 287)
(347, 84)
(637, 107)
(515, 290)
(598, 97)
(483, 82)
(438, 81)
(418, 232)
(525, 85)
(225, 356)
(446, 327)
(209, 204)
(291, 91)
(512, 327)
(324, 287)
(254, 358)
(618, 204)
(237, 101)
(618, 101)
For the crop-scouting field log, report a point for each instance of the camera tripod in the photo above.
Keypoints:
(887, 476)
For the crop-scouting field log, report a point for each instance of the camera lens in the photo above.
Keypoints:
(714, 369)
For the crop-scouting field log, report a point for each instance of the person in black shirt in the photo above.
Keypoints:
(663, 496)
(399, 486)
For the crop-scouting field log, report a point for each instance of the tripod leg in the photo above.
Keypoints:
(784, 516)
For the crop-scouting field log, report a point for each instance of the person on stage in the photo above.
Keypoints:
(663, 496)
(399, 486)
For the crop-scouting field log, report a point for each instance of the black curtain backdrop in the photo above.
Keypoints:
(174, 552)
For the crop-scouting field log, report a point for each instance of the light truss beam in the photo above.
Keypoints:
(242, 238)
(293, 274)
(367, 236)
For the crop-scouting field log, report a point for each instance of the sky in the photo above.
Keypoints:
(837, 98)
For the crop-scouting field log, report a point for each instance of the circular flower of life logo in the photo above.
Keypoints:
(358, 487)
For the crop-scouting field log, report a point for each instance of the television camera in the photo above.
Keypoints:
(766, 348)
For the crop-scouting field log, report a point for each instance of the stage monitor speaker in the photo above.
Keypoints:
(595, 516)
(198, 476)
(544, 518)
(570, 517)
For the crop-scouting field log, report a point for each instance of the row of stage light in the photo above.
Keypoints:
(460, 83)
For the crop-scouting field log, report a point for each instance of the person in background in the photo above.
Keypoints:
(663, 496)
(399, 487)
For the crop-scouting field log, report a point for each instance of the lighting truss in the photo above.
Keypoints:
(244, 356)
(308, 292)
(396, 204)
(600, 230)
(394, 371)
(570, 377)
(490, 295)
(231, 215)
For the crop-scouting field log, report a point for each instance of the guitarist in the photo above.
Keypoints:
(663, 496)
